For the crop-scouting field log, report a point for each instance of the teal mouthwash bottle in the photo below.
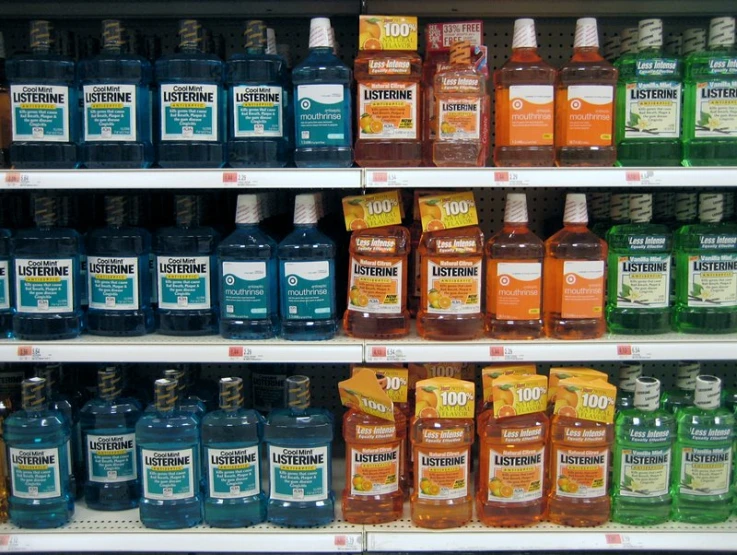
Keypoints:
(6, 279)
(248, 277)
(706, 283)
(701, 481)
(256, 105)
(37, 440)
(190, 104)
(231, 439)
(710, 100)
(682, 395)
(44, 106)
(648, 128)
(185, 276)
(323, 125)
(643, 446)
(267, 386)
(168, 443)
(108, 424)
(638, 301)
(48, 286)
(299, 441)
(307, 277)
(116, 97)
(628, 375)
(119, 283)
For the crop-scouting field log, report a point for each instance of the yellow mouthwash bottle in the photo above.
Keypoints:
(682, 395)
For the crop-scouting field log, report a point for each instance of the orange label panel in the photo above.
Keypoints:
(375, 470)
(590, 115)
(531, 112)
(517, 290)
(388, 110)
(581, 473)
(583, 289)
(516, 475)
(376, 285)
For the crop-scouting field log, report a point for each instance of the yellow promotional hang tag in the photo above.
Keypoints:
(444, 398)
(490, 373)
(515, 395)
(375, 210)
(393, 379)
(387, 32)
(563, 373)
(588, 400)
(448, 211)
(364, 393)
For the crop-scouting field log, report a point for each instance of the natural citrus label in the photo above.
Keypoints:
(705, 471)
(388, 110)
(363, 392)
(387, 32)
(394, 380)
(444, 398)
(652, 110)
(645, 472)
(516, 475)
(531, 111)
(375, 210)
(590, 115)
(448, 211)
(581, 472)
(514, 289)
(375, 470)
(643, 281)
(376, 284)
(490, 373)
(443, 474)
(583, 289)
(459, 118)
(453, 285)
(716, 104)
(712, 280)
(562, 373)
(586, 400)
(515, 395)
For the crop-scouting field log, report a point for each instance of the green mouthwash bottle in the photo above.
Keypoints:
(643, 448)
(701, 481)
(638, 301)
(231, 438)
(648, 128)
(710, 100)
(706, 283)
(628, 375)
(674, 400)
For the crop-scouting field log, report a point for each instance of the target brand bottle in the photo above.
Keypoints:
(628, 374)
(682, 395)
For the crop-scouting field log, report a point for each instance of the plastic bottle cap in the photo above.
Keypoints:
(166, 394)
(628, 40)
(599, 206)
(647, 394)
(255, 34)
(231, 393)
(109, 383)
(40, 31)
(641, 208)
(33, 393)
(247, 209)
(112, 34)
(650, 34)
(524, 34)
(686, 206)
(460, 52)
(575, 211)
(721, 32)
(297, 392)
(190, 33)
(619, 207)
(694, 40)
(628, 374)
(305, 209)
(674, 45)
(270, 41)
(319, 32)
(728, 205)
(664, 206)
(708, 392)
(612, 47)
(587, 35)
(711, 208)
(686, 375)
(515, 211)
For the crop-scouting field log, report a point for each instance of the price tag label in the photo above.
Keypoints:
(386, 179)
(347, 542)
(500, 353)
(386, 354)
(633, 352)
(240, 179)
(31, 353)
(246, 354)
(646, 177)
(19, 179)
(510, 179)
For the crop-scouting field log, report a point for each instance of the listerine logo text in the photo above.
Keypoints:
(188, 93)
(258, 94)
(44, 95)
(111, 266)
(182, 266)
(108, 93)
(236, 456)
(298, 457)
(43, 268)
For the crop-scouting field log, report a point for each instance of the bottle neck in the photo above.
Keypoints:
(577, 226)
(526, 54)
(255, 51)
(654, 51)
(587, 54)
(516, 226)
(112, 50)
(322, 49)
(189, 48)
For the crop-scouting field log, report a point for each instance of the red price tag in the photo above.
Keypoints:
(624, 350)
(378, 352)
(230, 177)
(496, 351)
(501, 176)
(235, 352)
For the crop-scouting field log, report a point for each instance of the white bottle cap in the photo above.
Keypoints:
(641, 208)
(619, 207)
(247, 209)
(524, 34)
(320, 32)
(650, 34)
(674, 45)
(270, 41)
(694, 40)
(687, 206)
(587, 35)
(628, 374)
(575, 212)
(708, 392)
(599, 206)
(687, 374)
(515, 211)
(628, 41)
(711, 208)
(611, 47)
(647, 394)
(721, 32)
(305, 209)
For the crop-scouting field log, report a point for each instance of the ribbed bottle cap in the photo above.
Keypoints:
(599, 206)
(628, 40)
(687, 206)
(619, 207)
(112, 34)
(109, 383)
(587, 35)
(694, 40)
(270, 41)
(628, 374)
(116, 210)
(674, 45)
(178, 376)
(575, 211)
(721, 32)
(711, 208)
(297, 392)
(284, 51)
(52, 374)
(320, 32)
(515, 211)
(187, 209)
(708, 392)
(255, 34)
(166, 394)
(650, 34)
(524, 34)
(460, 52)
(305, 209)
(686, 375)
(45, 210)
(33, 393)
(611, 47)
(231, 393)
(647, 394)
(247, 209)
(664, 208)
(641, 208)
(40, 31)
(190, 34)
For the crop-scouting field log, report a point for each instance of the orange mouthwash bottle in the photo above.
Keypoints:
(388, 71)
(442, 436)
(581, 439)
(512, 486)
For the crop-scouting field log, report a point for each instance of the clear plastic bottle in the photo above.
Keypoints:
(682, 395)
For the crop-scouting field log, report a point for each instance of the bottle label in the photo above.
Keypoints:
(189, 112)
(443, 474)
(516, 475)
(45, 286)
(590, 115)
(582, 289)
(454, 285)
(299, 474)
(109, 112)
(268, 391)
(459, 119)
(517, 292)
(184, 282)
(40, 113)
(653, 110)
(35, 473)
(716, 109)
(645, 472)
(320, 114)
(169, 475)
(4, 285)
(531, 112)
(705, 471)
(308, 290)
(233, 473)
(582, 473)
(375, 470)
(257, 111)
(643, 281)
(376, 285)
(388, 110)
(111, 458)
(113, 283)
(712, 280)
(246, 290)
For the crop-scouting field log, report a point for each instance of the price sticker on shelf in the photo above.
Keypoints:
(33, 353)
(20, 179)
(240, 179)
(510, 179)
(645, 177)
(380, 353)
(499, 353)
(347, 542)
(376, 178)
(633, 352)
(246, 354)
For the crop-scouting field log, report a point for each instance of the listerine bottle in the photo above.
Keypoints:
(6, 282)
(116, 96)
(300, 485)
(11, 379)
(190, 110)
(323, 123)
(267, 386)
(43, 99)
(706, 254)
(231, 439)
(187, 286)
(307, 277)
(710, 90)
(37, 440)
(249, 276)
(283, 51)
(628, 375)
(257, 110)
(682, 395)
(186, 401)
(48, 287)
(168, 444)
(638, 301)
(702, 470)
(119, 283)
(108, 424)
(643, 446)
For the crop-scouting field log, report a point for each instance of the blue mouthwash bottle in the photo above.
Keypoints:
(307, 277)
(185, 255)
(323, 125)
(48, 287)
(108, 424)
(282, 50)
(116, 89)
(119, 282)
(44, 105)
(299, 441)
(6, 278)
(231, 438)
(256, 104)
(190, 107)
(168, 443)
(248, 277)
(37, 440)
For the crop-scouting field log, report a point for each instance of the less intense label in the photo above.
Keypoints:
(388, 110)
(169, 475)
(109, 112)
(376, 285)
(443, 474)
(516, 475)
(590, 115)
(35, 473)
(40, 113)
(583, 289)
(189, 112)
(113, 283)
(516, 292)
(531, 112)
(299, 474)
(111, 458)
(233, 473)
(44, 285)
(245, 290)
(454, 285)
(183, 282)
